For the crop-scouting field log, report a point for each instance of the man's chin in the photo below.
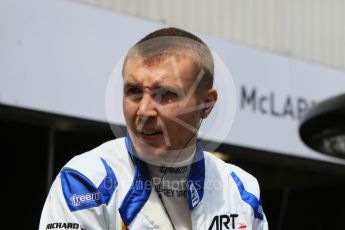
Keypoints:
(153, 154)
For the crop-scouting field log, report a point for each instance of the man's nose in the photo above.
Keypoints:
(147, 106)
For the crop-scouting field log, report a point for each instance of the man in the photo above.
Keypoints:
(158, 176)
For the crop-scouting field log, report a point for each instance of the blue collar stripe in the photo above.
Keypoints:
(139, 191)
(196, 178)
(249, 198)
(80, 193)
(108, 185)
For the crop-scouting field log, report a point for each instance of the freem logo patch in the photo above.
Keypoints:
(78, 199)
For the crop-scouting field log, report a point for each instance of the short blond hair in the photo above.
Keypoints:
(175, 42)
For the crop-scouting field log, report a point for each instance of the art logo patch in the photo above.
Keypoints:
(226, 221)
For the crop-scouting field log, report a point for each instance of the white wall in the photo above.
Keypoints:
(310, 29)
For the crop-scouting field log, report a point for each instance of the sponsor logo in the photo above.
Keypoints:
(268, 104)
(64, 226)
(260, 210)
(241, 226)
(195, 195)
(164, 169)
(78, 199)
(221, 222)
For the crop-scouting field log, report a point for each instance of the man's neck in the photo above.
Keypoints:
(173, 158)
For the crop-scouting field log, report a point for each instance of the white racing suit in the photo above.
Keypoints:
(108, 188)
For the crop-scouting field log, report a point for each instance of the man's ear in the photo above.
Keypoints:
(209, 102)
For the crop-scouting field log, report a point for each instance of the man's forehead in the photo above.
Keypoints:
(168, 70)
(161, 59)
(143, 76)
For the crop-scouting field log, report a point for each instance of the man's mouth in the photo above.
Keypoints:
(150, 134)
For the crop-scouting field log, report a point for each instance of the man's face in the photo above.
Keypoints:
(161, 106)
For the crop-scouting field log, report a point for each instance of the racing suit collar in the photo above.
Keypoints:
(140, 189)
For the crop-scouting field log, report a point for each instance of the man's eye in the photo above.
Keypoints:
(134, 93)
(167, 94)
(170, 94)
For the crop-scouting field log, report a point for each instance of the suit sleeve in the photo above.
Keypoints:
(57, 214)
(260, 221)
(249, 191)
(76, 202)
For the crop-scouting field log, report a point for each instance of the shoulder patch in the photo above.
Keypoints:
(249, 198)
(80, 193)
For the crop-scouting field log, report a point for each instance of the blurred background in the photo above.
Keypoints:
(56, 58)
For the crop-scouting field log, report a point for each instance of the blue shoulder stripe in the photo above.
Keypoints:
(249, 198)
(80, 193)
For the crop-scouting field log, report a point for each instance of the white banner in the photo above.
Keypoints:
(59, 56)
